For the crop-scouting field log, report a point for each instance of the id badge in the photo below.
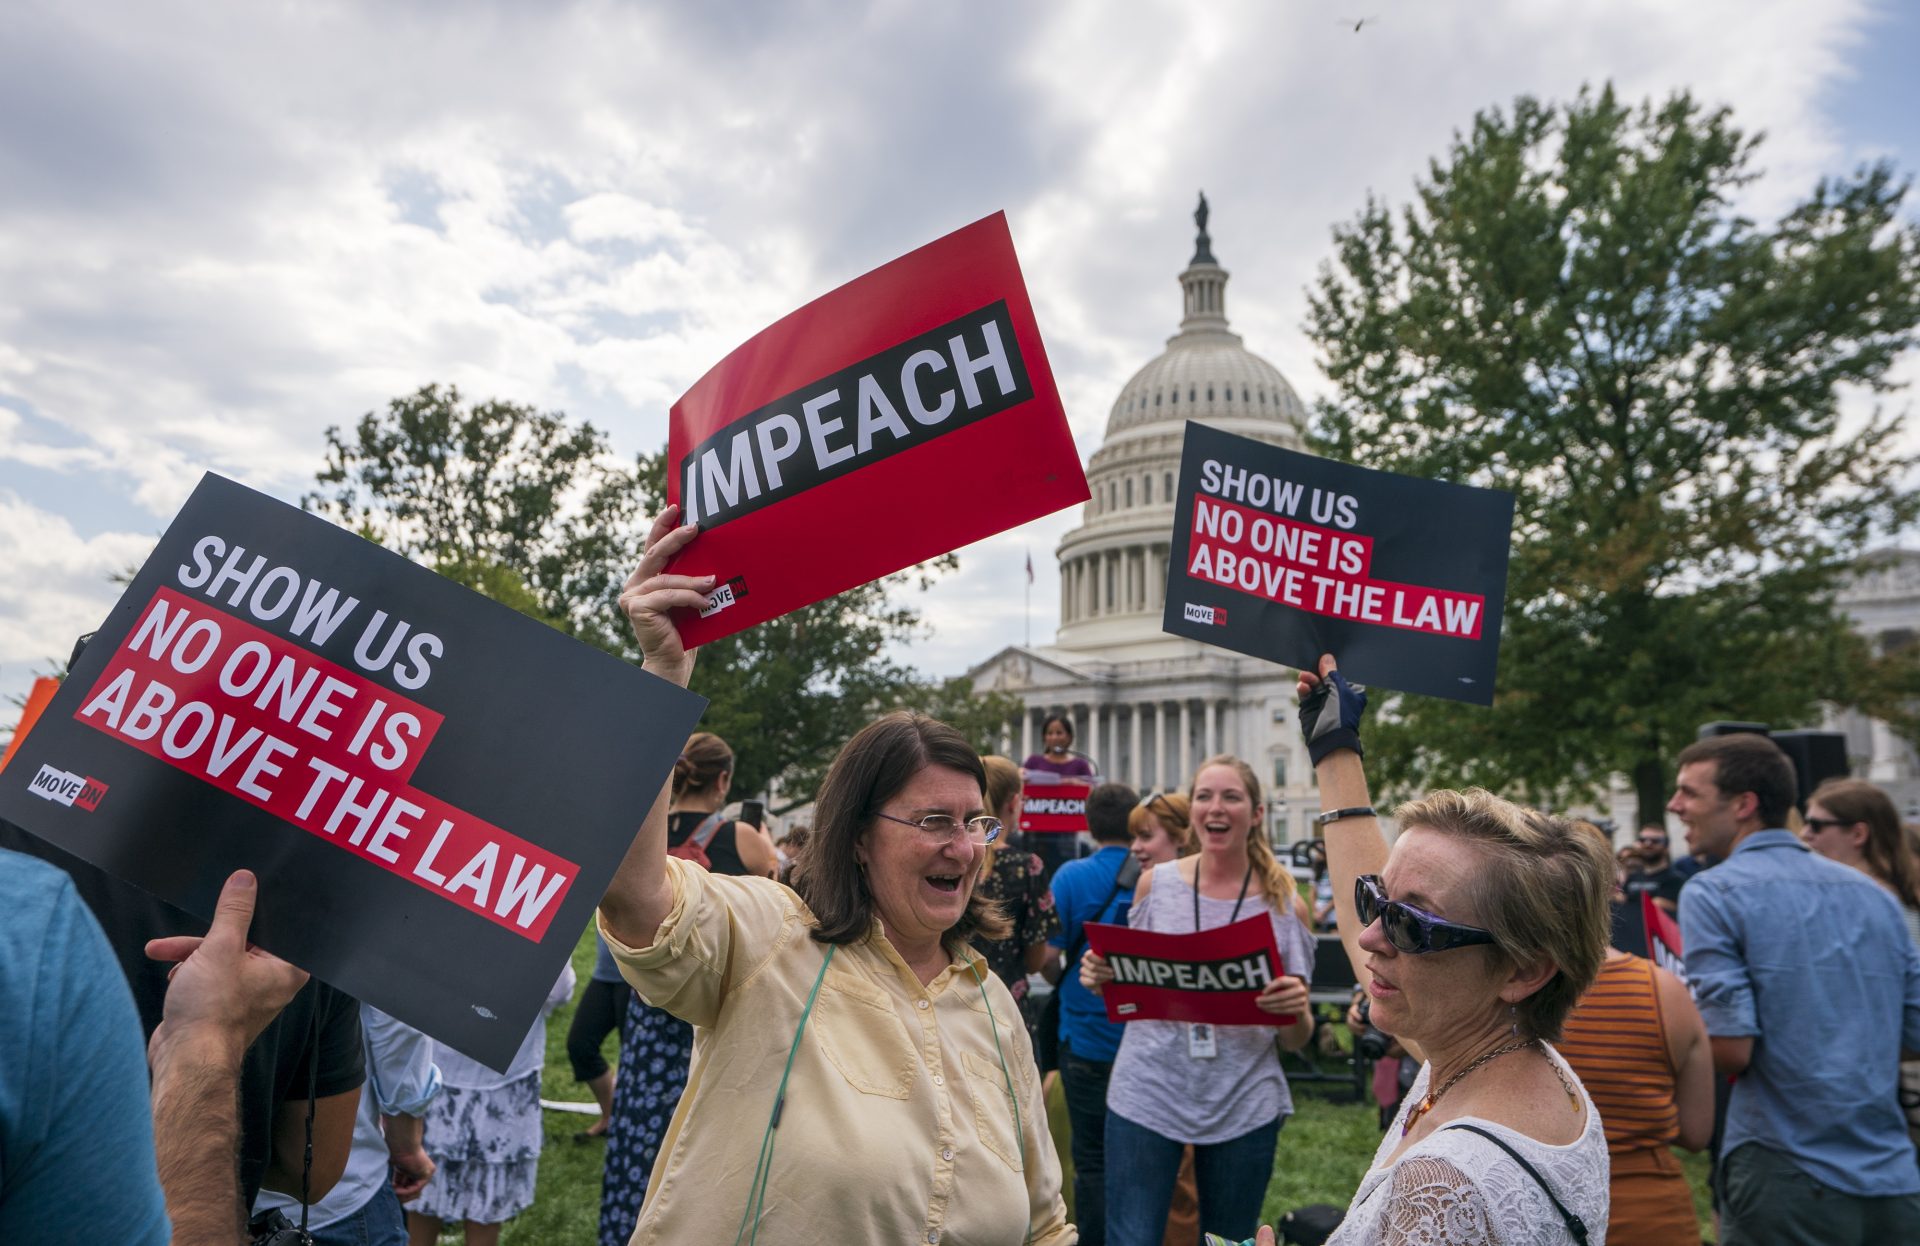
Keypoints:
(1201, 1041)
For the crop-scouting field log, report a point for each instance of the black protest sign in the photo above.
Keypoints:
(434, 790)
(1286, 556)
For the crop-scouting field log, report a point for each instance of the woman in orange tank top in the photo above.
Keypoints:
(1640, 1048)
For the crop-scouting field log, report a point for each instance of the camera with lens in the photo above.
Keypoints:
(1367, 1041)
(272, 1228)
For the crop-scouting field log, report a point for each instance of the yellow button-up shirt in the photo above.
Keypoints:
(897, 1126)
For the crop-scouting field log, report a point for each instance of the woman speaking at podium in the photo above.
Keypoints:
(1055, 764)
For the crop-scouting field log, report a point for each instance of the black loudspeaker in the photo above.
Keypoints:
(1709, 730)
(1816, 755)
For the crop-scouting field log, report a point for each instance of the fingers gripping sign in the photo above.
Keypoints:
(651, 594)
(221, 988)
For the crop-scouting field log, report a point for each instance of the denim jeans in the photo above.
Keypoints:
(1085, 1084)
(1232, 1177)
(379, 1223)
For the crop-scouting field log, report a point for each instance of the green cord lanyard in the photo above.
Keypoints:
(763, 1170)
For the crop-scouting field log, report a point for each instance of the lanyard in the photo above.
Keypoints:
(1247, 878)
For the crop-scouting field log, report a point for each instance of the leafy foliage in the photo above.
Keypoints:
(1574, 309)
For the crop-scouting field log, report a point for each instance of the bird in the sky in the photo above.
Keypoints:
(1358, 24)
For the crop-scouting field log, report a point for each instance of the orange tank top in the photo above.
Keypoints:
(1615, 1041)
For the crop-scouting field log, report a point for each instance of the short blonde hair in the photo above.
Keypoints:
(1542, 891)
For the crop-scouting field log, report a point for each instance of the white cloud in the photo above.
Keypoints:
(228, 226)
(59, 586)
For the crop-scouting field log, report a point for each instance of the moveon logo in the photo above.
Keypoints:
(723, 596)
(67, 788)
(1216, 615)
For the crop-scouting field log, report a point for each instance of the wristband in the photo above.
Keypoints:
(1352, 811)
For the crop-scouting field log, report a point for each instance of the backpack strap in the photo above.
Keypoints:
(708, 828)
(1575, 1225)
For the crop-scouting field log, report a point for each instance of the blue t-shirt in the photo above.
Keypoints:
(1812, 960)
(1080, 891)
(76, 1122)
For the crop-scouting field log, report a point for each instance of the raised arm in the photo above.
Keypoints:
(638, 899)
(1330, 716)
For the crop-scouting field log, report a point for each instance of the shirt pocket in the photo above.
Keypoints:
(863, 1036)
(992, 1108)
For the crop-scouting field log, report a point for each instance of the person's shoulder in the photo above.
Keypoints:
(29, 883)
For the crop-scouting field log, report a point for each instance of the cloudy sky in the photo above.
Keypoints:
(225, 226)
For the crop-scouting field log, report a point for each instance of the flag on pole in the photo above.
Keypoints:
(1029, 567)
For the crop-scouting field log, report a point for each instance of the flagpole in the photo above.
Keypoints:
(1028, 618)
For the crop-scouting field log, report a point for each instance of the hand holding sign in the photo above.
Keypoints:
(650, 596)
(222, 991)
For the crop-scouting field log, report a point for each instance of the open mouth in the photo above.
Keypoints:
(1217, 828)
(943, 882)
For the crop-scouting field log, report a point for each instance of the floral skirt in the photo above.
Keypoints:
(655, 1049)
(485, 1145)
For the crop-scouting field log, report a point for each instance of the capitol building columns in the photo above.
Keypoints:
(1148, 707)
(1153, 742)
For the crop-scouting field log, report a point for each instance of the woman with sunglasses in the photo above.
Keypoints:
(1217, 1088)
(1473, 935)
(859, 1074)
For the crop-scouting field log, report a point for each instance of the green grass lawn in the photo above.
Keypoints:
(1324, 1150)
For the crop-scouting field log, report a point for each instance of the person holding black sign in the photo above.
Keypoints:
(1473, 936)
(858, 1074)
(1216, 1088)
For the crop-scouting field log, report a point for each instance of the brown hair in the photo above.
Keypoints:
(1275, 882)
(1543, 892)
(1171, 810)
(703, 759)
(1749, 763)
(870, 770)
(1889, 853)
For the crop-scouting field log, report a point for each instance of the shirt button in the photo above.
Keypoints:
(946, 1152)
(933, 1236)
(923, 1004)
(939, 1080)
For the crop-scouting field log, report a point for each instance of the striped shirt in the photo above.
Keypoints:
(1615, 1040)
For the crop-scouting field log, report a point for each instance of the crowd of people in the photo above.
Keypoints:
(852, 1035)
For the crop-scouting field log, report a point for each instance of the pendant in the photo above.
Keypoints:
(1420, 1109)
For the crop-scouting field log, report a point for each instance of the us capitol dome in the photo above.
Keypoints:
(1147, 707)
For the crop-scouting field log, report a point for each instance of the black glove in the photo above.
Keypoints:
(1330, 717)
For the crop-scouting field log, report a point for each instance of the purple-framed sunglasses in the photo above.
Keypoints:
(1412, 930)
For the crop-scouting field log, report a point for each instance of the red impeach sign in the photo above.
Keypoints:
(908, 413)
(1663, 937)
(1211, 975)
(1054, 808)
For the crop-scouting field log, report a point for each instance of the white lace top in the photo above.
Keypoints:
(1456, 1188)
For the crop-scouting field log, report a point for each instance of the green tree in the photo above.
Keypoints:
(536, 513)
(1574, 309)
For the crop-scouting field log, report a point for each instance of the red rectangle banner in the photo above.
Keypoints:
(1663, 937)
(1054, 808)
(316, 745)
(1210, 975)
(908, 413)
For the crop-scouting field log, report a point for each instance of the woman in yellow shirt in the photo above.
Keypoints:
(858, 1073)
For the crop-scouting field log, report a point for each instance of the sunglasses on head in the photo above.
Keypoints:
(1155, 797)
(1409, 929)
